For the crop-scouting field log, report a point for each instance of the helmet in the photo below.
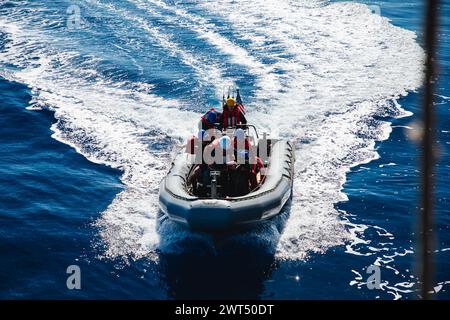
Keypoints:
(239, 133)
(231, 102)
(201, 134)
(211, 116)
(244, 154)
(206, 137)
(225, 142)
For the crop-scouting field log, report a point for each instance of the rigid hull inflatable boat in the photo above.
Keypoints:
(213, 211)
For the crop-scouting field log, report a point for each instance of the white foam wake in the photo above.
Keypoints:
(339, 65)
(129, 129)
(323, 72)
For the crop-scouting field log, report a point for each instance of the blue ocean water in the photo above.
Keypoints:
(95, 95)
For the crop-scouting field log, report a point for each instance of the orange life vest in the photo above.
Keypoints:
(230, 118)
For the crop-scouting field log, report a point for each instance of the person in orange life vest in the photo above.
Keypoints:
(217, 158)
(200, 175)
(209, 119)
(229, 164)
(254, 168)
(241, 175)
(240, 141)
(233, 114)
(194, 142)
(219, 152)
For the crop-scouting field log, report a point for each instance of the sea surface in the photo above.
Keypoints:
(96, 95)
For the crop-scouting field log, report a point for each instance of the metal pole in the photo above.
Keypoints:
(428, 149)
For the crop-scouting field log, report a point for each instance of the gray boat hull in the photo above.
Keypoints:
(220, 214)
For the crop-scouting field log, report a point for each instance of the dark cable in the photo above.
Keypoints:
(428, 149)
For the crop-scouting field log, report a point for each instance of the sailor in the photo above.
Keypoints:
(225, 164)
(248, 175)
(240, 176)
(209, 119)
(240, 141)
(257, 173)
(233, 114)
(196, 144)
(200, 179)
(225, 144)
(193, 141)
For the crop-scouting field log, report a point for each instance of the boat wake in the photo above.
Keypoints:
(129, 86)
